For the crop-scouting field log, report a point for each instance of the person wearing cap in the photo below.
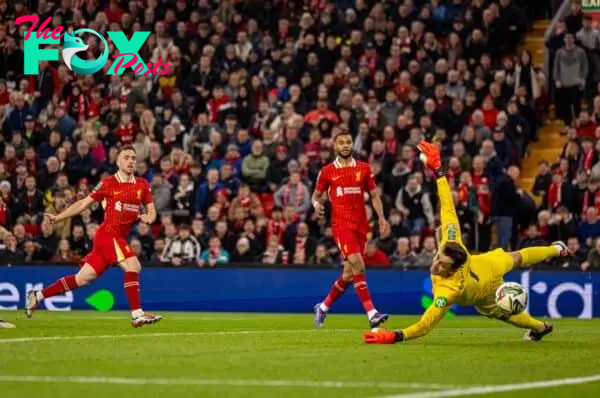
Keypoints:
(233, 158)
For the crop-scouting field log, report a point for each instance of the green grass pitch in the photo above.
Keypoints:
(90, 355)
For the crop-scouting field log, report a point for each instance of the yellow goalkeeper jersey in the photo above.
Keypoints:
(473, 284)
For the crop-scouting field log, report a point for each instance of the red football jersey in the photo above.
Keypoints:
(346, 187)
(122, 202)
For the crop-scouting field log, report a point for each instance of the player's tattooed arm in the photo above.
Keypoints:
(71, 211)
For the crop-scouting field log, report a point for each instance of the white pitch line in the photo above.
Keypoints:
(492, 389)
(163, 334)
(216, 382)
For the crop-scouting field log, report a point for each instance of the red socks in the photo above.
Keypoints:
(61, 286)
(337, 290)
(362, 291)
(132, 289)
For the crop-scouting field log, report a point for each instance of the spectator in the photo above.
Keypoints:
(255, 166)
(375, 257)
(205, 196)
(274, 253)
(11, 253)
(532, 238)
(214, 255)
(403, 256)
(415, 204)
(184, 249)
(425, 257)
(589, 229)
(578, 256)
(303, 246)
(570, 73)
(321, 257)
(64, 254)
(242, 253)
(295, 194)
(593, 259)
(562, 225)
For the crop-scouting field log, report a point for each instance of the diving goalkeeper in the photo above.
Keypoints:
(464, 279)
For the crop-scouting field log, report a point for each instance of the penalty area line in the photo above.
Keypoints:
(216, 382)
(164, 334)
(492, 389)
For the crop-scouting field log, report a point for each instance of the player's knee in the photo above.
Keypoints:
(356, 263)
(85, 276)
(131, 265)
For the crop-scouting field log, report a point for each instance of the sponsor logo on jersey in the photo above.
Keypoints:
(440, 302)
(427, 298)
(341, 191)
(120, 206)
(452, 232)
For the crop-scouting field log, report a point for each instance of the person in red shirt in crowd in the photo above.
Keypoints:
(586, 127)
(126, 130)
(375, 257)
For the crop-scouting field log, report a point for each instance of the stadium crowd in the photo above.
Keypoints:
(232, 138)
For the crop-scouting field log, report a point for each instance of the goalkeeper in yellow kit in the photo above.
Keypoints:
(464, 279)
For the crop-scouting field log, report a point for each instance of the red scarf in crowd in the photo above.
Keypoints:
(300, 247)
(463, 194)
(485, 202)
(588, 160)
(3, 215)
(275, 228)
(391, 146)
(591, 199)
(554, 195)
(287, 191)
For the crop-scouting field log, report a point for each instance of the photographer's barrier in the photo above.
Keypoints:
(551, 294)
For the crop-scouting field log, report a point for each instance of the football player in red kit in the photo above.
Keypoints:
(122, 195)
(346, 181)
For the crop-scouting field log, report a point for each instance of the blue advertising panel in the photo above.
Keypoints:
(552, 294)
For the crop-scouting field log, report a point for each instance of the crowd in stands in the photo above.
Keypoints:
(232, 138)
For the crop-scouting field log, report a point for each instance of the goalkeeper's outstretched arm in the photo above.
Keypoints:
(450, 228)
(430, 318)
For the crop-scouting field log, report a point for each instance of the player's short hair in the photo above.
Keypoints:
(126, 148)
(457, 253)
(342, 133)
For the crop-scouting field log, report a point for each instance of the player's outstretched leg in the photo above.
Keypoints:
(362, 291)
(537, 254)
(85, 276)
(132, 268)
(337, 290)
(537, 329)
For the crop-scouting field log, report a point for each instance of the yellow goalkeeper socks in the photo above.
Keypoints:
(534, 255)
(525, 321)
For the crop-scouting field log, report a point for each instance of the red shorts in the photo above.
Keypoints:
(350, 241)
(108, 249)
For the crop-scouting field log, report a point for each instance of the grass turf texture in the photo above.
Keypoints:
(265, 355)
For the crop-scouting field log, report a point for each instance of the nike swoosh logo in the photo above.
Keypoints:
(335, 178)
